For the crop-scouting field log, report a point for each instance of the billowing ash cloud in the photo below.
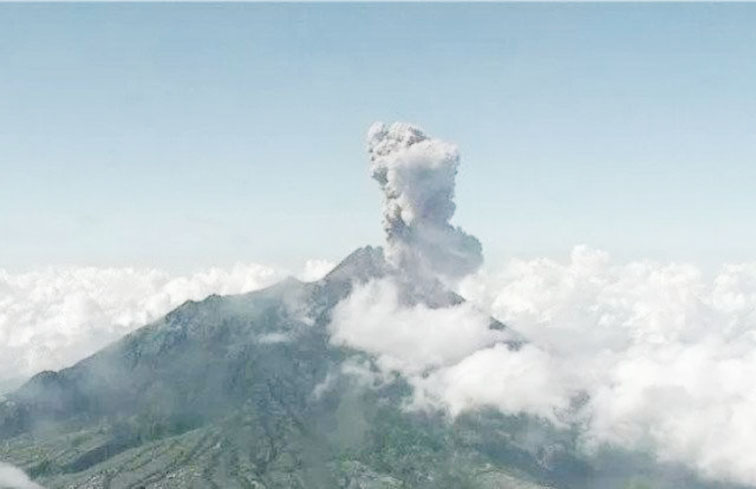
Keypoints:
(417, 176)
(14, 478)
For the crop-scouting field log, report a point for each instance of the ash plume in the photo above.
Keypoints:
(417, 176)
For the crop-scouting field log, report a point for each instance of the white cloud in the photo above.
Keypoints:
(315, 270)
(666, 356)
(410, 340)
(14, 478)
(450, 355)
(513, 382)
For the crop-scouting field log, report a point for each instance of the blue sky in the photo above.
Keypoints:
(187, 135)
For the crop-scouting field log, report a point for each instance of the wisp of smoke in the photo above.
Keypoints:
(417, 176)
(14, 478)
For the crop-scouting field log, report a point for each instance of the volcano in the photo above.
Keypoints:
(247, 391)
(256, 391)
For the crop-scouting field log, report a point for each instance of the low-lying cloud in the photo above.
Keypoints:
(15, 478)
(410, 339)
(451, 355)
(54, 317)
(662, 357)
(666, 356)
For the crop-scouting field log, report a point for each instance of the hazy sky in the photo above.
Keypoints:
(181, 136)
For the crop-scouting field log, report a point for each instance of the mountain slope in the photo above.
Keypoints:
(229, 392)
(245, 392)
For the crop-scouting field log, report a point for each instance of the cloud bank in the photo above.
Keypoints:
(417, 176)
(410, 339)
(451, 355)
(54, 317)
(664, 356)
(14, 478)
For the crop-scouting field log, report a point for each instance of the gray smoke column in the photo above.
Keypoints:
(417, 176)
